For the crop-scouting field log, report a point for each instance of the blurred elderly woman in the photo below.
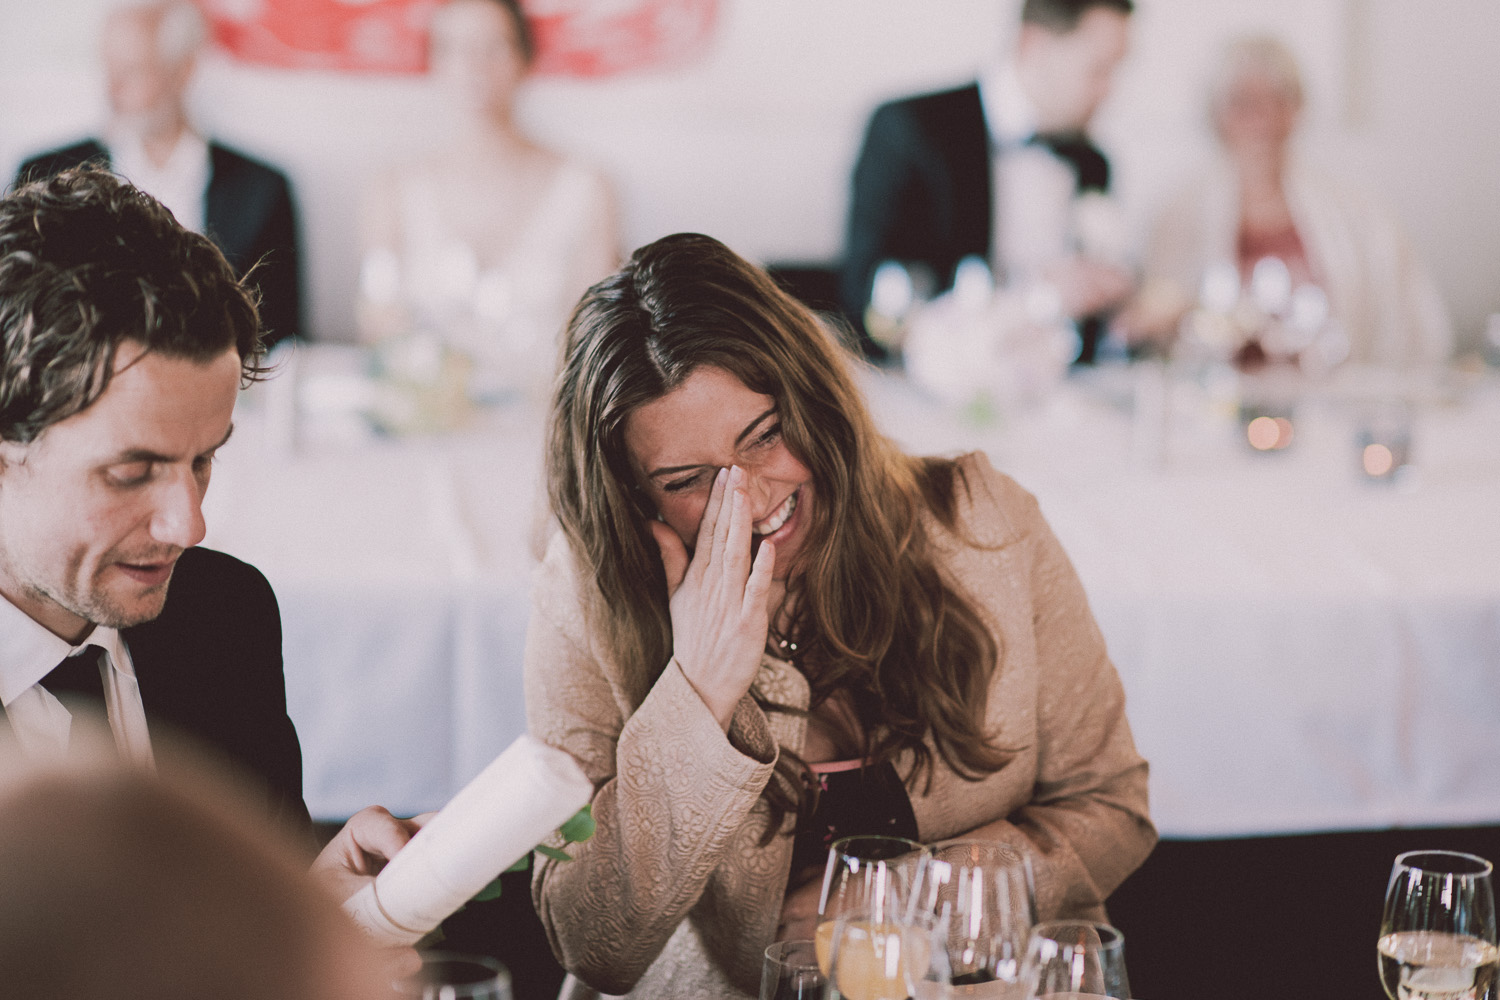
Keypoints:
(489, 241)
(1259, 202)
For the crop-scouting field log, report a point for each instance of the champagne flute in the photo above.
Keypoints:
(982, 895)
(871, 874)
(1074, 959)
(1437, 934)
(450, 976)
(791, 972)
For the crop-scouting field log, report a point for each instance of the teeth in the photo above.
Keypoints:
(776, 520)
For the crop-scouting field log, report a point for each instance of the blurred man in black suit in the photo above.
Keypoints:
(991, 169)
(243, 205)
(126, 340)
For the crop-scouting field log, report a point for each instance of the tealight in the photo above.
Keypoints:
(1384, 440)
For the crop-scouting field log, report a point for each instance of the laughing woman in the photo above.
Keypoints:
(751, 581)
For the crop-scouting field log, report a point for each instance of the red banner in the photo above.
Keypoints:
(574, 37)
(601, 37)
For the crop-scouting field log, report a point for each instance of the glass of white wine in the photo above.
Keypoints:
(868, 874)
(983, 896)
(1437, 935)
(1076, 959)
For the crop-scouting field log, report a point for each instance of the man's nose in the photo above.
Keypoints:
(178, 518)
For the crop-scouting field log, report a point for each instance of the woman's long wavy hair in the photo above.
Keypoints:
(874, 616)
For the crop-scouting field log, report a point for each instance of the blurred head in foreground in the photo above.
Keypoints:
(121, 884)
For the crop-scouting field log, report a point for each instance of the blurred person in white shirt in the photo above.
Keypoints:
(1003, 170)
(150, 52)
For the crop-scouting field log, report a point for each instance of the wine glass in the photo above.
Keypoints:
(871, 874)
(791, 972)
(876, 953)
(1437, 935)
(447, 975)
(1074, 959)
(982, 895)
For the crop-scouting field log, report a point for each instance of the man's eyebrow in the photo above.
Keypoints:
(669, 470)
(147, 455)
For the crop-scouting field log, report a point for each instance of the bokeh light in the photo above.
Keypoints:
(1377, 460)
(1269, 433)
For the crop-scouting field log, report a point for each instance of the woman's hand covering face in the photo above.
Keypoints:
(719, 598)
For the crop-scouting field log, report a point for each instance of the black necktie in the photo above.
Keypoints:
(1074, 148)
(77, 681)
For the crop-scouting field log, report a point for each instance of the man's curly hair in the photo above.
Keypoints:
(88, 261)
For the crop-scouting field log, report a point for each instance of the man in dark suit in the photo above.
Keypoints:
(990, 169)
(243, 205)
(126, 340)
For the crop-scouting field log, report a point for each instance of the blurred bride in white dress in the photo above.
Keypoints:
(488, 243)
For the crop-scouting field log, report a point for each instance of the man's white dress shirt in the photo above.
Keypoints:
(1033, 190)
(42, 726)
(180, 184)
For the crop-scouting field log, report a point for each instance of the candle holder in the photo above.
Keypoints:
(1383, 440)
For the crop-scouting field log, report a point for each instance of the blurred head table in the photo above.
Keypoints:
(1302, 649)
(402, 567)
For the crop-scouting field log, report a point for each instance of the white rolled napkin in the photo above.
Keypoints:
(520, 798)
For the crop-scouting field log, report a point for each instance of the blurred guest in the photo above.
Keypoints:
(1261, 210)
(762, 627)
(999, 169)
(122, 884)
(488, 243)
(243, 205)
(126, 340)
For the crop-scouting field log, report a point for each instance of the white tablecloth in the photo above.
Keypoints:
(402, 569)
(1301, 649)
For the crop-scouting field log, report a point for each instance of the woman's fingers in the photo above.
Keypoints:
(710, 520)
(737, 539)
(734, 497)
(758, 586)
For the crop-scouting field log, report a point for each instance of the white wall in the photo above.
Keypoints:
(754, 142)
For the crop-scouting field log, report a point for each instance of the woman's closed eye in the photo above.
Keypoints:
(688, 482)
(767, 437)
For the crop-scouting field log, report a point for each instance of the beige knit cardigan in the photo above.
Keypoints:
(675, 896)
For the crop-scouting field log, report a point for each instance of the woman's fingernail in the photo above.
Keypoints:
(720, 475)
(737, 474)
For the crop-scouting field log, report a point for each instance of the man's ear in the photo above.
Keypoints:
(12, 453)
